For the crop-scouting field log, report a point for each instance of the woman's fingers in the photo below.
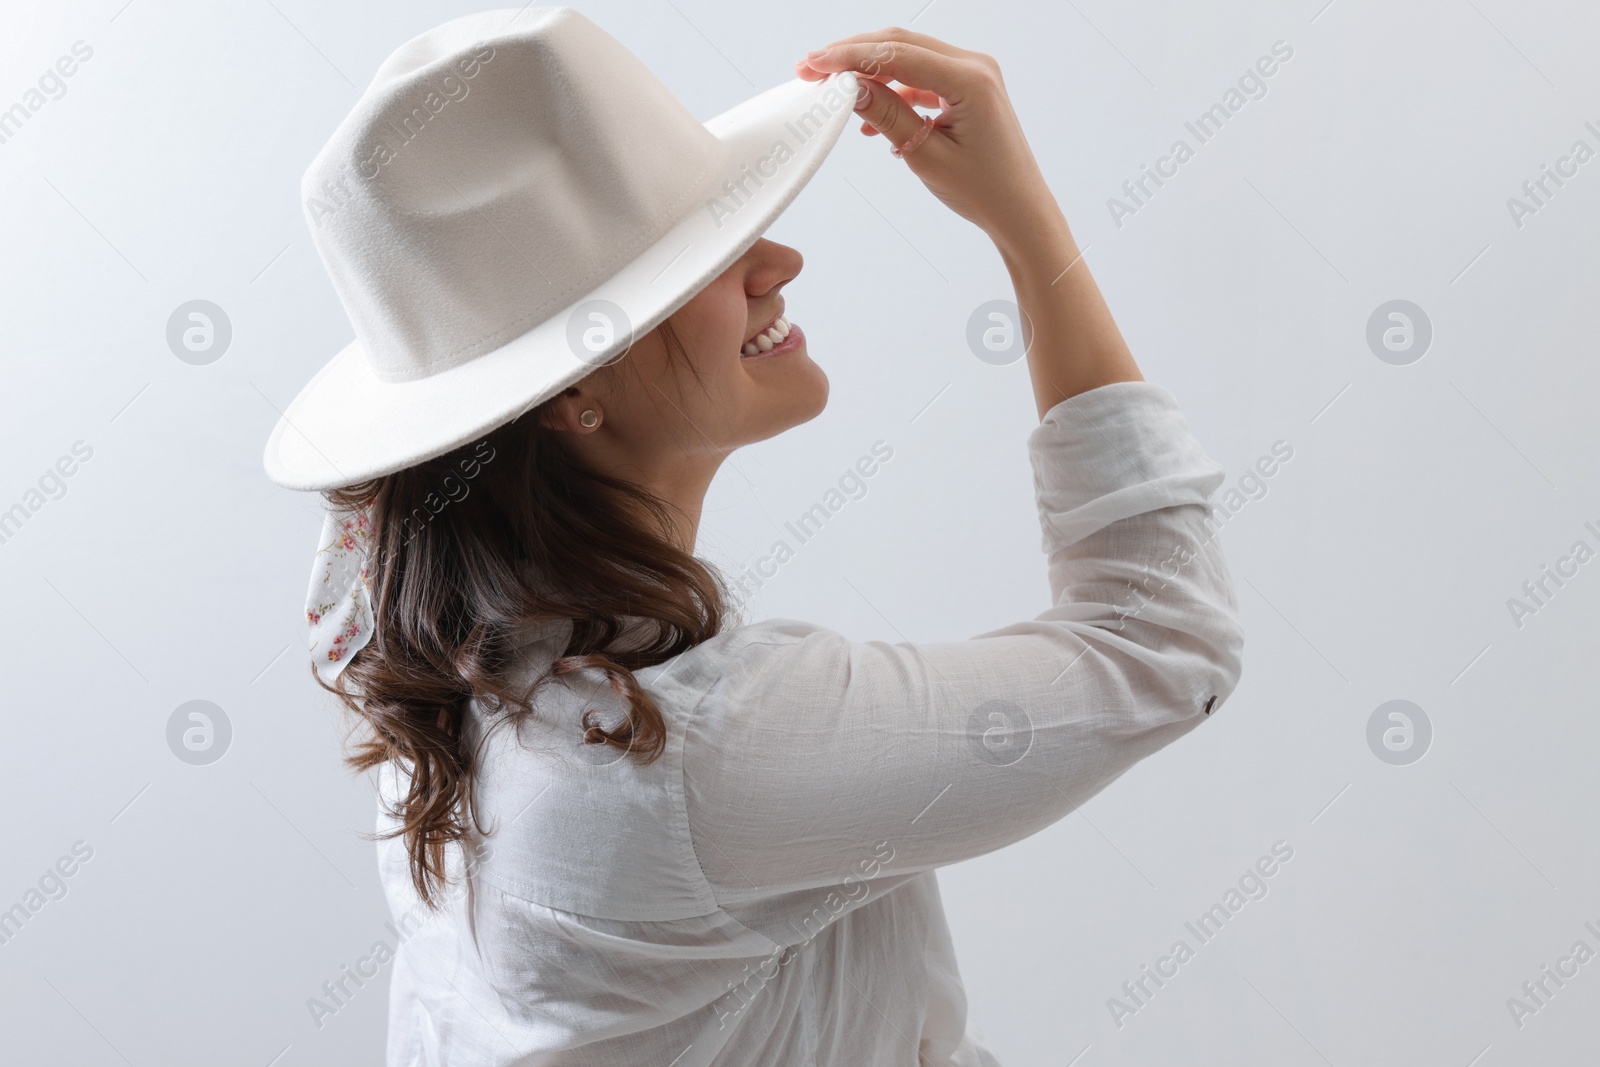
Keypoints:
(974, 157)
(888, 112)
(918, 97)
(921, 40)
(908, 64)
(913, 97)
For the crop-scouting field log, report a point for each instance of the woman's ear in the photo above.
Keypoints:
(566, 411)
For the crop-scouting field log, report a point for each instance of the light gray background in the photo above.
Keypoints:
(1376, 566)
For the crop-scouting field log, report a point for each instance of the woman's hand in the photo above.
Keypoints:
(975, 159)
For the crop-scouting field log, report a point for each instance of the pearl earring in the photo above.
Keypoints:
(589, 419)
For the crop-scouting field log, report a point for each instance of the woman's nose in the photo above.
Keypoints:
(771, 265)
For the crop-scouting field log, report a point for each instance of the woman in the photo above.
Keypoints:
(621, 828)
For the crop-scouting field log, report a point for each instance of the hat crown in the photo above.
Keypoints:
(495, 170)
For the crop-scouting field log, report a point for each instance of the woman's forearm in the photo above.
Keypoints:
(1075, 344)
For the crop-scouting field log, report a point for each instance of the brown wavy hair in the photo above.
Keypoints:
(472, 546)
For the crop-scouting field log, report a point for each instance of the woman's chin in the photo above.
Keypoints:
(799, 397)
(813, 388)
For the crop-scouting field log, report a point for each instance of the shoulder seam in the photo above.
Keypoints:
(682, 788)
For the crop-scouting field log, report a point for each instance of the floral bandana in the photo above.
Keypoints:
(339, 603)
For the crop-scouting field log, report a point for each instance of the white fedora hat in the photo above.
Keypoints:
(512, 201)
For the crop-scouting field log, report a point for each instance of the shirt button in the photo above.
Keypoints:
(1207, 708)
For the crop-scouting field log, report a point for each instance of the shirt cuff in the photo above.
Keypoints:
(1115, 451)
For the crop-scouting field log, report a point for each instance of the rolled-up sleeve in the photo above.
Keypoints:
(813, 761)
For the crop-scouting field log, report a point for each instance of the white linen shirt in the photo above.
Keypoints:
(764, 892)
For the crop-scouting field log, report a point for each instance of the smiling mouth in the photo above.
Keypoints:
(778, 337)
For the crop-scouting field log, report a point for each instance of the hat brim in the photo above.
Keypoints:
(347, 426)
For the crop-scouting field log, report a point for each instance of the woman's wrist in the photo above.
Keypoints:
(1036, 240)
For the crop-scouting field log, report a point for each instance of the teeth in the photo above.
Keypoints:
(764, 341)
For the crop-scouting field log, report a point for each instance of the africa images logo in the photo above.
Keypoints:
(51, 86)
(383, 151)
(1251, 85)
(739, 191)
